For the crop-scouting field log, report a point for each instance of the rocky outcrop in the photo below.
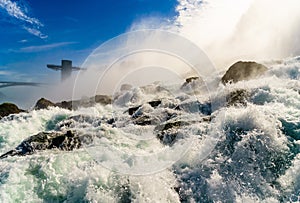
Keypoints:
(75, 104)
(46, 140)
(243, 71)
(9, 108)
(102, 99)
(43, 104)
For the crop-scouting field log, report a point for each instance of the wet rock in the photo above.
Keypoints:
(46, 140)
(103, 99)
(146, 120)
(166, 126)
(238, 98)
(43, 104)
(192, 84)
(132, 110)
(79, 121)
(188, 80)
(154, 103)
(65, 105)
(85, 102)
(9, 108)
(195, 107)
(111, 121)
(169, 137)
(168, 133)
(243, 71)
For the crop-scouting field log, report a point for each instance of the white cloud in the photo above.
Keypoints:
(23, 41)
(18, 13)
(14, 10)
(45, 47)
(36, 32)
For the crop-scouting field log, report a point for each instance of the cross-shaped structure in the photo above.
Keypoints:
(66, 68)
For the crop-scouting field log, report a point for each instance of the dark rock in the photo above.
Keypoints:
(154, 103)
(132, 110)
(9, 108)
(195, 107)
(188, 80)
(43, 104)
(43, 141)
(243, 71)
(86, 102)
(169, 132)
(111, 121)
(168, 137)
(237, 98)
(103, 99)
(65, 105)
(145, 120)
(169, 125)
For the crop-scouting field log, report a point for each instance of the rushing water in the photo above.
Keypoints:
(247, 152)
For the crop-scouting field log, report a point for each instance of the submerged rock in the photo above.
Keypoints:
(154, 104)
(195, 107)
(9, 108)
(238, 97)
(243, 71)
(169, 132)
(46, 140)
(192, 85)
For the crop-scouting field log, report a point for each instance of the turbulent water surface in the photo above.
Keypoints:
(197, 148)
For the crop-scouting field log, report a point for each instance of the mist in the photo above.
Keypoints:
(234, 30)
(203, 32)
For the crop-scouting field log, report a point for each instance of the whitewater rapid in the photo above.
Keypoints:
(246, 153)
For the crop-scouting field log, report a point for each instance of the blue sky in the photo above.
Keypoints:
(35, 32)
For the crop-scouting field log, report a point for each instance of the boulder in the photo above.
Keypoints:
(43, 104)
(243, 71)
(103, 99)
(9, 108)
(85, 102)
(65, 104)
(44, 141)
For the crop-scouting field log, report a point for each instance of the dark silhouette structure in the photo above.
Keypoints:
(66, 68)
